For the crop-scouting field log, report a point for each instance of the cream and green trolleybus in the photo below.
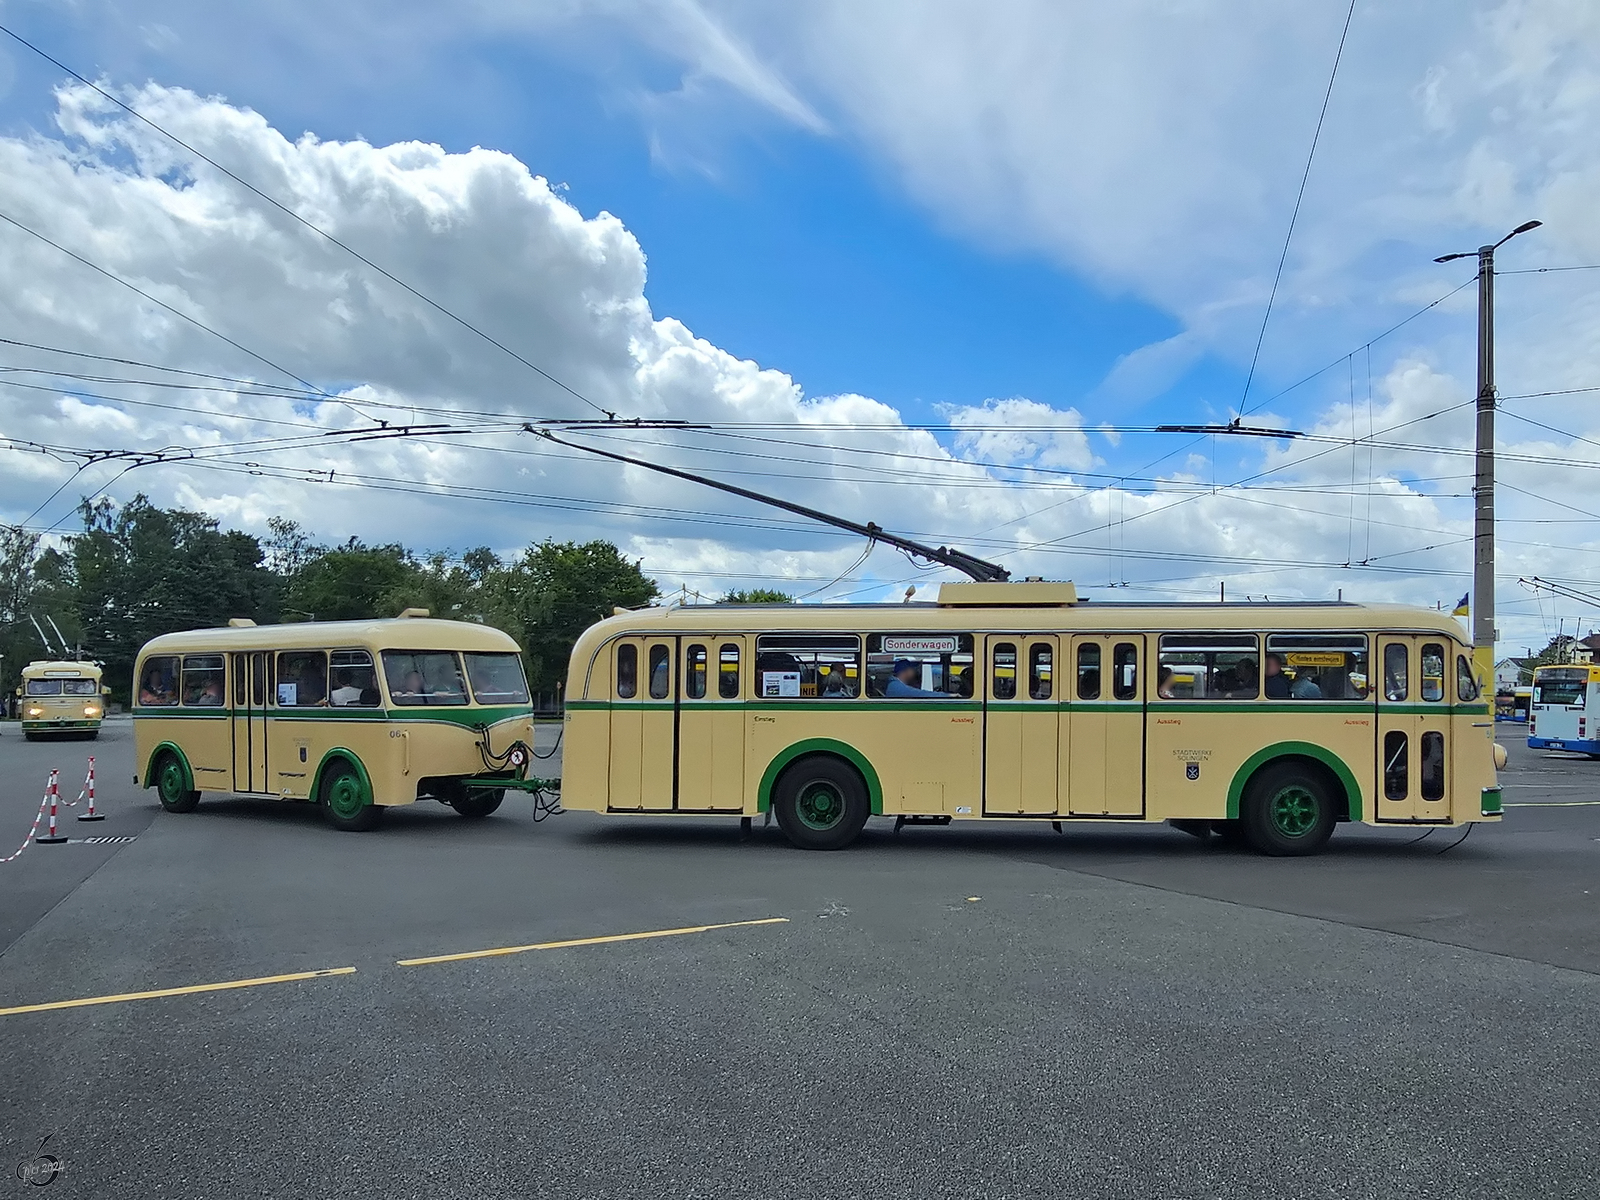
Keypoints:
(357, 716)
(1266, 723)
(61, 698)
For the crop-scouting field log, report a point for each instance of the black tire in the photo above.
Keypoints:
(346, 801)
(29, 735)
(821, 803)
(478, 803)
(169, 781)
(92, 736)
(1288, 810)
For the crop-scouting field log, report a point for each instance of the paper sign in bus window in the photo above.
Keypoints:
(780, 684)
(288, 694)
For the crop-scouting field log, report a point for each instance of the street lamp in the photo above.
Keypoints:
(1483, 630)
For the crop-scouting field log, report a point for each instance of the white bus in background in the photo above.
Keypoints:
(1565, 707)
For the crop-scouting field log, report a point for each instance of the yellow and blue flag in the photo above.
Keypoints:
(1461, 609)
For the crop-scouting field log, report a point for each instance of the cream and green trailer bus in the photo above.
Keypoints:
(61, 699)
(358, 716)
(1265, 723)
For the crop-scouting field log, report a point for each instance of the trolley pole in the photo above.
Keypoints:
(1483, 626)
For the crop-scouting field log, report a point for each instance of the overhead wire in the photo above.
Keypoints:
(1294, 216)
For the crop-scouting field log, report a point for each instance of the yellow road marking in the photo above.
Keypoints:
(591, 941)
(177, 991)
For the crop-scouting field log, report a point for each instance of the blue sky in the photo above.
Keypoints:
(933, 206)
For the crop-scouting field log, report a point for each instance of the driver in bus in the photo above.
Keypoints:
(903, 683)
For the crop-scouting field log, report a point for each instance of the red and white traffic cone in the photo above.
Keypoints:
(88, 788)
(55, 796)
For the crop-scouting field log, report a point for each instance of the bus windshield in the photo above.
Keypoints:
(44, 687)
(1562, 688)
(497, 678)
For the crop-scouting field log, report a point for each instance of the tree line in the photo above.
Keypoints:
(137, 570)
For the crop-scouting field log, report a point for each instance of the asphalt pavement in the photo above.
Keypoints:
(994, 1011)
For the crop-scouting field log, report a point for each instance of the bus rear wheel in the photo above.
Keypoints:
(477, 803)
(346, 801)
(1287, 810)
(174, 797)
(821, 803)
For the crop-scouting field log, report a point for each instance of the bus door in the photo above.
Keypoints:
(1021, 725)
(711, 723)
(250, 690)
(643, 724)
(1102, 736)
(1413, 730)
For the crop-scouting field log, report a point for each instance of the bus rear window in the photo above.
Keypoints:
(1564, 689)
(497, 678)
(424, 677)
(44, 687)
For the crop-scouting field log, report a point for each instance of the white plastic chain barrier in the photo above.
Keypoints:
(37, 817)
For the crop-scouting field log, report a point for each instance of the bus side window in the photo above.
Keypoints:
(1088, 671)
(1395, 766)
(1433, 765)
(1396, 685)
(1039, 671)
(1003, 685)
(694, 683)
(1125, 671)
(302, 679)
(238, 661)
(159, 683)
(627, 671)
(660, 673)
(728, 672)
(1466, 685)
(1433, 672)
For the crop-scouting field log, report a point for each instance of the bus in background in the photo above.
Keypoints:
(1564, 706)
(1265, 723)
(62, 699)
(356, 716)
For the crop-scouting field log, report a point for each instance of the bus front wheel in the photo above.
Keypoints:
(1287, 810)
(175, 798)
(346, 802)
(821, 803)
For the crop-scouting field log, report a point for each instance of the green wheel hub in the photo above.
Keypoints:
(346, 796)
(170, 781)
(820, 805)
(1294, 811)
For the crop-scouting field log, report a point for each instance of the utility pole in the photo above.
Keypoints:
(1483, 627)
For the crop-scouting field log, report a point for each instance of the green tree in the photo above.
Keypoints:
(139, 571)
(554, 592)
(353, 582)
(757, 596)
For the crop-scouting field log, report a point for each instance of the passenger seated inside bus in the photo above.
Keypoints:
(1305, 686)
(904, 683)
(1277, 683)
(345, 693)
(157, 688)
(837, 684)
(210, 692)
